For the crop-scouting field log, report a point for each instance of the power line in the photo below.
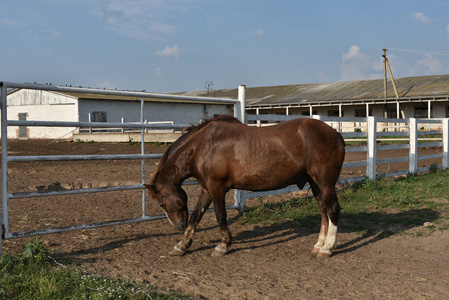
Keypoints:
(445, 53)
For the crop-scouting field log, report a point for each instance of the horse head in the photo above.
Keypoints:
(174, 202)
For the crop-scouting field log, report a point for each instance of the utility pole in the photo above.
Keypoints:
(208, 87)
(384, 55)
(387, 64)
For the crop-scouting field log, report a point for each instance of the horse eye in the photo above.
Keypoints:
(163, 205)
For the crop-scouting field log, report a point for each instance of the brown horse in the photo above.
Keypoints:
(223, 154)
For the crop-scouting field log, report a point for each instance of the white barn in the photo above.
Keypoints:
(41, 105)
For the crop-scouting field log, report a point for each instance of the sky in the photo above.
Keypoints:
(169, 46)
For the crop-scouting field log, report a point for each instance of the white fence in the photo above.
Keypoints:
(239, 109)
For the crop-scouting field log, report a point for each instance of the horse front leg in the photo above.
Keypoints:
(203, 204)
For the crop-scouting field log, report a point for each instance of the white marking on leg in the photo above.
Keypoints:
(321, 238)
(331, 239)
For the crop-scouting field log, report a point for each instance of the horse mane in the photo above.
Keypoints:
(187, 132)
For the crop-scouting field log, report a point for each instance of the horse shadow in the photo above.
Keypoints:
(370, 227)
(79, 255)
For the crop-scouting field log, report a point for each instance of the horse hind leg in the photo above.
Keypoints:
(332, 209)
(323, 233)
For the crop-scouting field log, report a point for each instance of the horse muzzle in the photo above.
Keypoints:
(180, 226)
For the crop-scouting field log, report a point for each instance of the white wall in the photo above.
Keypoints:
(42, 106)
(43, 113)
(25, 97)
(181, 113)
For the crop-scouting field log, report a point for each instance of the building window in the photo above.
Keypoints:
(391, 112)
(98, 116)
(23, 130)
(335, 113)
(422, 112)
(447, 111)
(361, 113)
(307, 113)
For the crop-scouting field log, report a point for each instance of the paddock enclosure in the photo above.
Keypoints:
(47, 193)
(266, 261)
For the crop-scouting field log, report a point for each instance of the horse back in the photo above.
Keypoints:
(267, 158)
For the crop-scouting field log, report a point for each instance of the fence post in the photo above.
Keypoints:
(445, 143)
(240, 113)
(371, 151)
(142, 150)
(4, 222)
(239, 199)
(90, 120)
(413, 147)
(242, 100)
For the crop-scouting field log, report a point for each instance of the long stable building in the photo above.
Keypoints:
(419, 97)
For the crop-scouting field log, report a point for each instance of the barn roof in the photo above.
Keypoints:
(420, 88)
(409, 89)
(108, 96)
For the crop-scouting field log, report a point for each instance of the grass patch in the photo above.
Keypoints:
(35, 275)
(387, 206)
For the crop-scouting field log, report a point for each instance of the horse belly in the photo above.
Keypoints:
(263, 175)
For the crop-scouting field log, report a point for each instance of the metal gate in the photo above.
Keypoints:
(239, 113)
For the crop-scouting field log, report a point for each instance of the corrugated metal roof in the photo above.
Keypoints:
(364, 90)
(409, 88)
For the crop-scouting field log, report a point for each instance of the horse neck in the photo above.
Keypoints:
(177, 167)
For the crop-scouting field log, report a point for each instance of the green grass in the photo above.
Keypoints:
(35, 275)
(383, 207)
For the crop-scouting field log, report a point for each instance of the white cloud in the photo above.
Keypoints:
(324, 77)
(142, 19)
(109, 12)
(106, 84)
(353, 53)
(357, 65)
(430, 64)
(421, 17)
(258, 32)
(158, 72)
(174, 51)
(9, 22)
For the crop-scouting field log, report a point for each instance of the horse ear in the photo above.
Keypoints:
(150, 187)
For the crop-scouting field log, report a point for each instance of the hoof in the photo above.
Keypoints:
(178, 251)
(220, 250)
(315, 251)
(324, 254)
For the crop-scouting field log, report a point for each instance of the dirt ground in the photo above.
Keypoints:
(266, 261)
